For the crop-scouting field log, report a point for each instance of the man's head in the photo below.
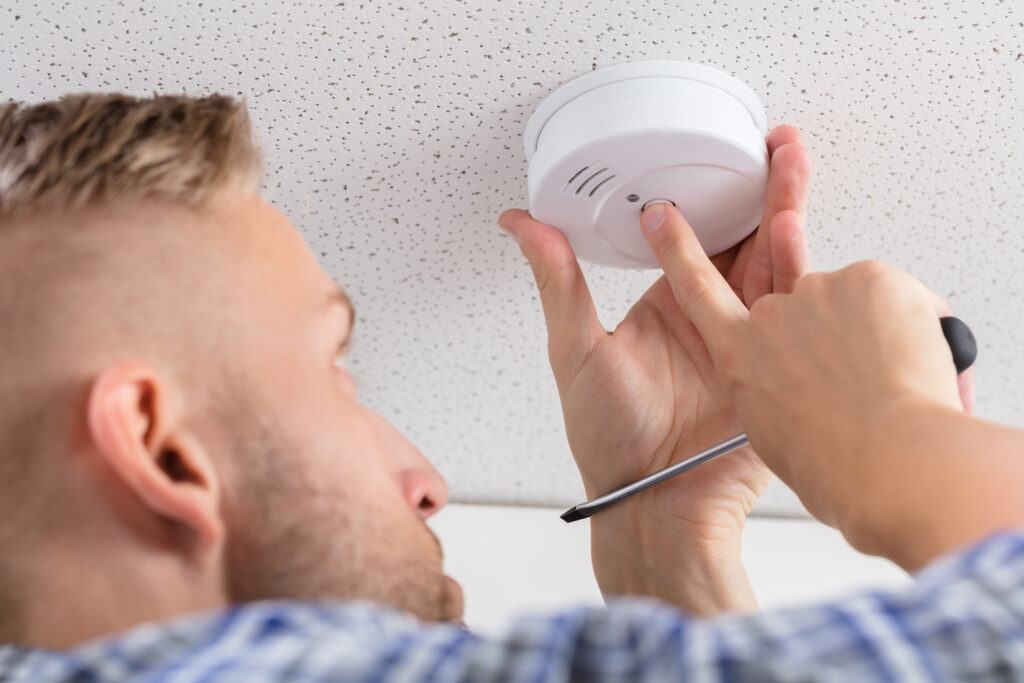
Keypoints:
(177, 428)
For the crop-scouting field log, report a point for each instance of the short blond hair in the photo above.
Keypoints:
(87, 149)
(58, 161)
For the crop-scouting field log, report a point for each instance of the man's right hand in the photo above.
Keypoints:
(820, 375)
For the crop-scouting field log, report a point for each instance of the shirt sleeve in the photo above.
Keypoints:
(963, 619)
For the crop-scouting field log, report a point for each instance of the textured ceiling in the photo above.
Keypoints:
(392, 132)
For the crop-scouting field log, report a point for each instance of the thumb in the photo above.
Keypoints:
(701, 291)
(569, 313)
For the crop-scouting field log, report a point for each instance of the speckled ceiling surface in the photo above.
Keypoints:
(392, 132)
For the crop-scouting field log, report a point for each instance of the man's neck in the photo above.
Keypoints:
(101, 594)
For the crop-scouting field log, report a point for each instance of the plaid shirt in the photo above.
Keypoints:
(963, 619)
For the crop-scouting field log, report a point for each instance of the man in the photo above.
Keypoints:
(189, 488)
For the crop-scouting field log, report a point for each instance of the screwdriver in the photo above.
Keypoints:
(961, 342)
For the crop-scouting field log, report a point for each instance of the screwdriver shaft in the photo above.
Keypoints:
(584, 510)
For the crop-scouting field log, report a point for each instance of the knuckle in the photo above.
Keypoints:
(553, 274)
(542, 277)
(875, 277)
(869, 271)
(794, 156)
(693, 288)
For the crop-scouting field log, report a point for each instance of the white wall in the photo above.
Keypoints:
(513, 560)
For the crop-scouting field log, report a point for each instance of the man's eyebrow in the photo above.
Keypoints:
(338, 297)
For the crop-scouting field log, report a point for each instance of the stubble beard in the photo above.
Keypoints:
(291, 536)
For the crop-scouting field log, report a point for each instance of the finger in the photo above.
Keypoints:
(572, 322)
(739, 266)
(788, 185)
(700, 291)
(782, 135)
(791, 257)
(762, 278)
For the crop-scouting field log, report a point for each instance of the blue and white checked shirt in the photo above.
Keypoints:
(963, 619)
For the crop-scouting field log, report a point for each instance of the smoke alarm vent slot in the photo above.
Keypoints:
(596, 187)
(575, 176)
(589, 178)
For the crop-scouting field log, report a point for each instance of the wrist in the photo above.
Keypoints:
(864, 504)
(934, 479)
(639, 551)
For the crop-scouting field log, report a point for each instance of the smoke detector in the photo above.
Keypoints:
(605, 144)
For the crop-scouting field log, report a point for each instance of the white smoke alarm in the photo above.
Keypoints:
(606, 143)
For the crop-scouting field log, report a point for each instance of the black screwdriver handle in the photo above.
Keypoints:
(961, 342)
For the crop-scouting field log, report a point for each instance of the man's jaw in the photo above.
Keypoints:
(453, 601)
(452, 597)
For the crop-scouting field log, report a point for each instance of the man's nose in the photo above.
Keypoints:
(422, 486)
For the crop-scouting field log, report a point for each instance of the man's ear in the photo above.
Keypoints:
(135, 421)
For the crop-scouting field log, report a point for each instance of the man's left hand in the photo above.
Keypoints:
(646, 395)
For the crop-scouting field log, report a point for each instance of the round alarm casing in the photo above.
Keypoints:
(606, 143)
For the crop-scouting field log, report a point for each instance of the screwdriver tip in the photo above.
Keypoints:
(573, 514)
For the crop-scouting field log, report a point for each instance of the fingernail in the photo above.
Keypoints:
(653, 216)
